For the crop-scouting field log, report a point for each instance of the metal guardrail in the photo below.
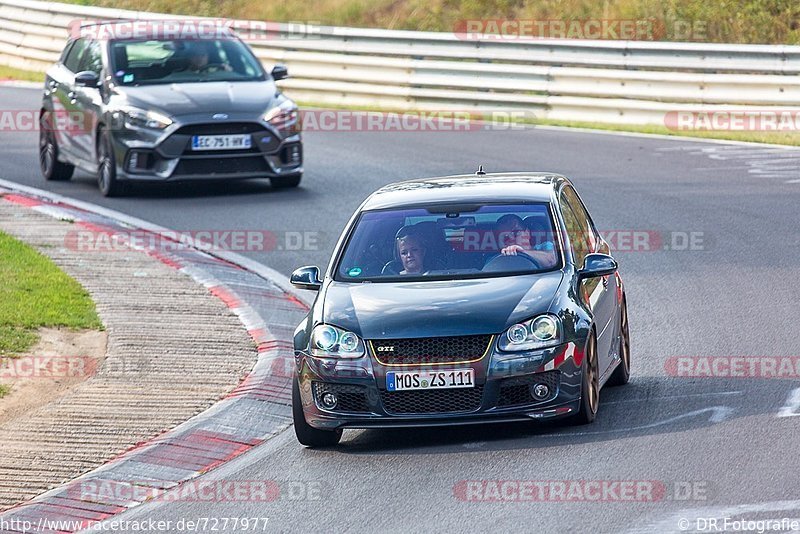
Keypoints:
(625, 82)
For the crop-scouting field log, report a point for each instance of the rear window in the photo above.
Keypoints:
(458, 242)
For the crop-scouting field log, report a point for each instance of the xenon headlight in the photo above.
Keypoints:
(537, 333)
(141, 118)
(284, 117)
(330, 342)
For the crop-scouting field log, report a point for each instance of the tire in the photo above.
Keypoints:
(590, 385)
(52, 169)
(306, 434)
(622, 374)
(286, 182)
(107, 167)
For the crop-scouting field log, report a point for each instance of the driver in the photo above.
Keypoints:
(198, 58)
(517, 238)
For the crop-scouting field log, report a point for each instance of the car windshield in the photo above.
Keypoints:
(455, 242)
(183, 61)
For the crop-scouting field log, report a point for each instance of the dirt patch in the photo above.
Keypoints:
(61, 360)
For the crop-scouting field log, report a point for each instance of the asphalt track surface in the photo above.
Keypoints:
(729, 439)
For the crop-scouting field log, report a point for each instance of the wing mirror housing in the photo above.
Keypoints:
(306, 278)
(597, 265)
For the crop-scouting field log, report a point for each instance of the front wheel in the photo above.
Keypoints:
(107, 167)
(52, 169)
(285, 182)
(306, 434)
(590, 385)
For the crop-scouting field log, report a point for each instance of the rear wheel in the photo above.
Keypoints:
(107, 167)
(622, 373)
(590, 385)
(52, 169)
(285, 182)
(306, 434)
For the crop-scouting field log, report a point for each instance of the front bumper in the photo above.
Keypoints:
(155, 156)
(501, 392)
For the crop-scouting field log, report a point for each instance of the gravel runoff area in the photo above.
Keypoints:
(173, 350)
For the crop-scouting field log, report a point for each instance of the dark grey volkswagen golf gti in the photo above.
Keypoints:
(456, 300)
(157, 110)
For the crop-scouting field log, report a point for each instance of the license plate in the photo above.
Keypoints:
(448, 379)
(221, 142)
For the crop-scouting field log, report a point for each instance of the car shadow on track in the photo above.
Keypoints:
(646, 406)
(179, 190)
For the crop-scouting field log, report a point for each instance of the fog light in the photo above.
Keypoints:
(329, 401)
(540, 391)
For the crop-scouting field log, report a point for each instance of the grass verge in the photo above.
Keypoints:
(11, 73)
(35, 293)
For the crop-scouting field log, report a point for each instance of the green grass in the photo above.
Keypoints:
(34, 293)
(727, 21)
(19, 74)
(4, 390)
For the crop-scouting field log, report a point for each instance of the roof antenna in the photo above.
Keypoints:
(480, 171)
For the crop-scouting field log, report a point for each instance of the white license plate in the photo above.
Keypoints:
(221, 142)
(439, 379)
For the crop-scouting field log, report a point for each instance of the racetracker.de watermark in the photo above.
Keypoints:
(193, 29)
(334, 120)
(649, 29)
(740, 120)
(733, 366)
(517, 491)
(47, 367)
(210, 491)
(90, 240)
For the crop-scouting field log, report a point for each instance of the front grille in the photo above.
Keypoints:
(516, 391)
(432, 401)
(216, 128)
(430, 350)
(351, 398)
(211, 165)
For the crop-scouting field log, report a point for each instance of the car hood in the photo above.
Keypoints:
(177, 99)
(390, 310)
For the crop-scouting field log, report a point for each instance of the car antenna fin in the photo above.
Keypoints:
(480, 171)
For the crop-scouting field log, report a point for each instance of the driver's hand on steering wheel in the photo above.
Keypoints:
(512, 250)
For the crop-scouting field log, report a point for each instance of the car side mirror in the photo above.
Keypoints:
(597, 265)
(87, 78)
(279, 72)
(306, 278)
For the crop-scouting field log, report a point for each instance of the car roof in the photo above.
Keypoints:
(467, 188)
(108, 28)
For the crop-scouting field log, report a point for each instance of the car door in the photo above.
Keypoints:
(599, 293)
(60, 84)
(89, 100)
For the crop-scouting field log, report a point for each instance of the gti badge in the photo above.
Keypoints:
(386, 349)
(219, 116)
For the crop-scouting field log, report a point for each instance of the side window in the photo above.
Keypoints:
(74, 56)
(581, 238)
(65, 52)
(92, 60)
(580, 212)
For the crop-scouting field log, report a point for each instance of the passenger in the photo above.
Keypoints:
(411, 249)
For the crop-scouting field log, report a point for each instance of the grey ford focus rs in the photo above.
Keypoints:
(457, 300)
(158, 109)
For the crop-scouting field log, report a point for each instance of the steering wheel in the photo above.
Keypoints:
(510, 259)
(217, 66)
